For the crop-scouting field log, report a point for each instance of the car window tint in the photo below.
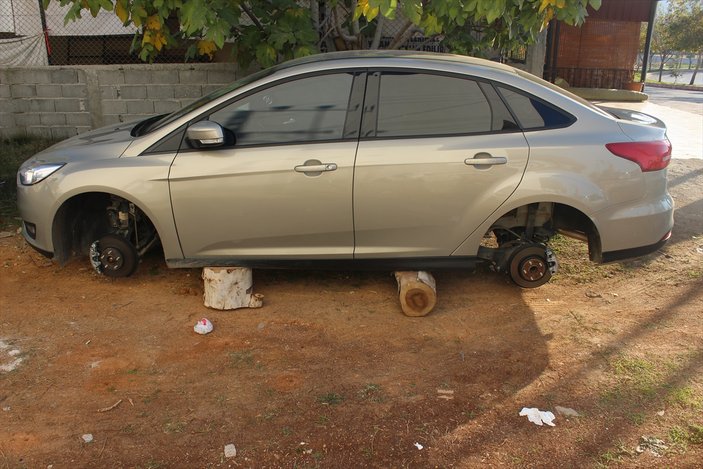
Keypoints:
(418, 104)
(307, 109)
(501, 117)
(532, 113)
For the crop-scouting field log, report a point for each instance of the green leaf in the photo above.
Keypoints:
(265, 55)
(412, 10)
(106, 5)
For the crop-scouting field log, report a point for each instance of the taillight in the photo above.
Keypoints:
(651, 156)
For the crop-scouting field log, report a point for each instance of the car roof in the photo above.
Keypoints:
(386, 57)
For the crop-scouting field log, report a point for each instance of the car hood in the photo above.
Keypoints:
(106, 142)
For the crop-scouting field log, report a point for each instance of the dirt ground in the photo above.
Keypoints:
(329, 373)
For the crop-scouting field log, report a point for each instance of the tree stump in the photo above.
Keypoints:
(230, 288)
(417, 292)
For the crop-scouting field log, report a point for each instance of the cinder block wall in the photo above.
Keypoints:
(59, 102)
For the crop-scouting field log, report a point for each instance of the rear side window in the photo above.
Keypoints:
(420, 104)
(533, 113)
(305, 110)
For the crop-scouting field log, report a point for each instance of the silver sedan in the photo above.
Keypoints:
(359, 160)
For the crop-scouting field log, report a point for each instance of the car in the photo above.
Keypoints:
(363, 160)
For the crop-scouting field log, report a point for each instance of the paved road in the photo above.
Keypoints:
(683, 100)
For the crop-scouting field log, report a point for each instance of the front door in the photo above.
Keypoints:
(283, 186)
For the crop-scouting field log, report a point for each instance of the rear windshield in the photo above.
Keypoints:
(561, 91)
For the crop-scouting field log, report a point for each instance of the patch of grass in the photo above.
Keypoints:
(685, 397)
(614, 455)
(695, 434)
(372, 392)
(14, 152)
(241, 359)
(574, 265)
(174, 427)
(695, 274)
(678, 436)
(637, 374)
(287, 431)
(330, 398)
(638, 418)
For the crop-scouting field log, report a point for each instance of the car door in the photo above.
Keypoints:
(281, 186)
(438, 154)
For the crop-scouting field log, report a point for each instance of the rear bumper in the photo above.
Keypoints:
(622, 254)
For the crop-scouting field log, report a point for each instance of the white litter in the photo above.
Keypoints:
(538, 417)
(418, 446)
(88, 438)
(203, 326)
(230, 451)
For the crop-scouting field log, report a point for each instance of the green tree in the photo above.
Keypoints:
(662, 40)
(685, 28)
(269, 31)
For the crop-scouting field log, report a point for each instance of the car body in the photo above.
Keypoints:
(364, 159)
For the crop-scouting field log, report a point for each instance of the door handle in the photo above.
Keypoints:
(481, 160)
(315, 166)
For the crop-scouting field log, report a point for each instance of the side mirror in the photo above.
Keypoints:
(206, 134)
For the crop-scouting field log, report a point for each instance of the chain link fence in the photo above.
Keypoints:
(30, 36)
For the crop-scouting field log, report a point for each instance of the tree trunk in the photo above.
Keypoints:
(417, 292)
(699, 62)
(230, 288)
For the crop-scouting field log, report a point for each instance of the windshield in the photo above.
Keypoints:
(168, 118)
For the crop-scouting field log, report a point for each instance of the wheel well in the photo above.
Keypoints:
(541, 220)
(86, 217)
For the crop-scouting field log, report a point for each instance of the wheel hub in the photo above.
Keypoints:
(533, 269)
(111, 258)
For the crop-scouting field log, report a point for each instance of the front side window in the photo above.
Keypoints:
(421, 104)
(308, 109)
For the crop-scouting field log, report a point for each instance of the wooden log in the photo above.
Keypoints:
(417, 292)
(230, 288)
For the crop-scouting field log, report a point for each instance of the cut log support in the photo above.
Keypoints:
(417, 292)
(230, 288)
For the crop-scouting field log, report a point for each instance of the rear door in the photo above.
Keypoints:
(438, 154)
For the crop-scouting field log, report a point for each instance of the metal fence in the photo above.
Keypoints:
(30, 36)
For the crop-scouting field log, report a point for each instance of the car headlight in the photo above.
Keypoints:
(35, 173)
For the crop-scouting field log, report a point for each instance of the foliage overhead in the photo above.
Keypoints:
(269, 31)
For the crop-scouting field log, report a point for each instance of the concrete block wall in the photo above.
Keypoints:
(59, 102)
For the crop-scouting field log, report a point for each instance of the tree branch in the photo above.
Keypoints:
(379, 33)
(252, 16)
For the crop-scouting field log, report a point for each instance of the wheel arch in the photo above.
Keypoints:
(567, 217)
(80, 219)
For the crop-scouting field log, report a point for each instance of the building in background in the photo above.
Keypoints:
(603, 51)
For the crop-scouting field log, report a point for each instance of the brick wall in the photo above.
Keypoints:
(59, 102)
